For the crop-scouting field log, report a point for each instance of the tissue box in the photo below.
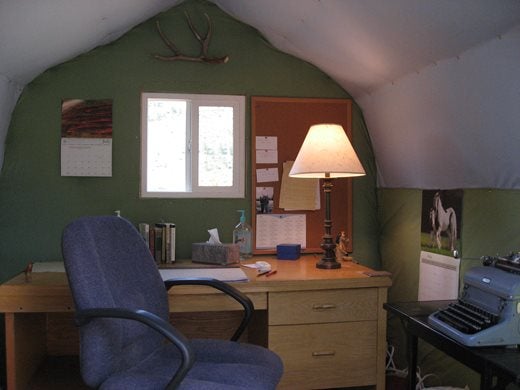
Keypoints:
(288, 251)
(222, 254)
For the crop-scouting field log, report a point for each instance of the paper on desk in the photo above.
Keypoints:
(261, 266)
(48, 266)
(223, 274)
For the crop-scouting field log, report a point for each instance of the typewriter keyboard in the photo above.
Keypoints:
(466, 318)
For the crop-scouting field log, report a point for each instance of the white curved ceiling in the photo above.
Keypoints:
(364, 44)
(391, 56)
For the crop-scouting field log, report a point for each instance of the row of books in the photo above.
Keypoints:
(160, 238)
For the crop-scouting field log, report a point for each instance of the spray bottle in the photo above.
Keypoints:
(242, 237)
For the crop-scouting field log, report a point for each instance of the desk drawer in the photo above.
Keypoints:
(212, 302)
(326, 355)
(307, 307)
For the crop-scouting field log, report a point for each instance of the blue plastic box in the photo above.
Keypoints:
(288, 251)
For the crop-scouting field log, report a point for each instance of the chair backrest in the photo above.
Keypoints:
(109, 266)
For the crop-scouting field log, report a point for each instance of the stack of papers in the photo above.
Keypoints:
(223, 274)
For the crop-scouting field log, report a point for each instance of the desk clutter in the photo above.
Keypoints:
(288, 251)
(214, 251)
(221, 254)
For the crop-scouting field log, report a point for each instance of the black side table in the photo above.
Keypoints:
(500, 362)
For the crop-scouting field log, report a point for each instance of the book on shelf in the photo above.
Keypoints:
(168, 251)
(160, 239)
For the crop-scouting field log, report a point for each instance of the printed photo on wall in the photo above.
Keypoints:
(86, 118)
(441, 221)
(264, 200)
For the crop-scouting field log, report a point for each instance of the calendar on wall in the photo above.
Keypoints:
(86, 137)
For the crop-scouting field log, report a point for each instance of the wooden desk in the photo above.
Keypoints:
(328, 326)
(500, 362)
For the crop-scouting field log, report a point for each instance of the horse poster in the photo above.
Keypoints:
(441, 221)
(440, 242)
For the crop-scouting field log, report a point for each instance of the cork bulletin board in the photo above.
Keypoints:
(287, 120)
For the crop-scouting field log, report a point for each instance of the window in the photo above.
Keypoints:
(192, 146)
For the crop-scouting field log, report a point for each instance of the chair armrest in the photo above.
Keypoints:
(240, 297)
(153, 321)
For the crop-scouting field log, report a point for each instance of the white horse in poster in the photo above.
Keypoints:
(444, 220)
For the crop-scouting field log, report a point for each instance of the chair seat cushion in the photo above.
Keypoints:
(219, 365)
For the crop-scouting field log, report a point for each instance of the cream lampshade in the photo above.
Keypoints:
(327, 153)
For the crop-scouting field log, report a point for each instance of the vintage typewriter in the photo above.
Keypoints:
(488, 310)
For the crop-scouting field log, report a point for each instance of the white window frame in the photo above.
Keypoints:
(237, 190)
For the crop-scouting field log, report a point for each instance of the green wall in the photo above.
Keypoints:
(36, 202)
(490, 226)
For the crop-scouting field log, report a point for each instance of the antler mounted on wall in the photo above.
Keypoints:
(204, 45)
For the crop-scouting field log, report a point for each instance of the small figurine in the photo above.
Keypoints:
(342, 245)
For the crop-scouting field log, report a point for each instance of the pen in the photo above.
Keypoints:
(270, 273)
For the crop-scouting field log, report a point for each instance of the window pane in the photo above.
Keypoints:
(192, 146)
(166, 146)
(215, 146)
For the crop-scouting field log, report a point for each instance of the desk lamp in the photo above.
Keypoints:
(327, 153)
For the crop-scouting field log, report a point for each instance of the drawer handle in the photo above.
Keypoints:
(323, 353)
(323, 307)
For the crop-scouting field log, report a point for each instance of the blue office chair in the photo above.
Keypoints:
(122, 310)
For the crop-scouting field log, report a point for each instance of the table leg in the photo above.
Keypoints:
(412, 360)
(486, 380)
(25, 347)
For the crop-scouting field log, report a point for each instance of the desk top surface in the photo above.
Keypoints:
(291, 275)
